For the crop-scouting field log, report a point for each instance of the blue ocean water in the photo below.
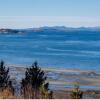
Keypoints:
(75, 49)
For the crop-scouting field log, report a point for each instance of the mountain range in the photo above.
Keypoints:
(46, 28)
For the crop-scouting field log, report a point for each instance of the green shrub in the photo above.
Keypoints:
(76, 93)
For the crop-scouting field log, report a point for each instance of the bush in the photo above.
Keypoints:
(76, 93)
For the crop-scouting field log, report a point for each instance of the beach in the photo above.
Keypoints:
(63, 79)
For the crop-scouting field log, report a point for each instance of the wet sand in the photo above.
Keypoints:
(63, 78)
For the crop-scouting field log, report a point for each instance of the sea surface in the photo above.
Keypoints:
(73, 49)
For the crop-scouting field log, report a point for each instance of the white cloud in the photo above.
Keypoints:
(37, 21)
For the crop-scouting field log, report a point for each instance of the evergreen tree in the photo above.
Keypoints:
(4, 75)
(5, 81)
(34, 79)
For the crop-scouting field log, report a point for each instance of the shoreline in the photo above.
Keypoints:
(63, 78)
(57, 69)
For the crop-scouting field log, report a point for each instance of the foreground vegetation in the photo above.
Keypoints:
(32, 86)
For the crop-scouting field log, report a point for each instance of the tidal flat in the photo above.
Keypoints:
(62, 79)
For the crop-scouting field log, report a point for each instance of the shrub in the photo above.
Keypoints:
(76, 93)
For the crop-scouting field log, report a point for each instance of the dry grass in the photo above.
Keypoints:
(6, 94)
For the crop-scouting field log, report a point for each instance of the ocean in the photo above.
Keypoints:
(56, 49)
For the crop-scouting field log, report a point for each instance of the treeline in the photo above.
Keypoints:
(32, 86)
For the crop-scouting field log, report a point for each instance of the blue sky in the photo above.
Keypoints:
(36, 13)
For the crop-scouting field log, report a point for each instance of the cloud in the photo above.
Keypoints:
(37, 21)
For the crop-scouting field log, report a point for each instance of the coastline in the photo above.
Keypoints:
(62, 79)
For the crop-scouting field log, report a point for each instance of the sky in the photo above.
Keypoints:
(37, 13)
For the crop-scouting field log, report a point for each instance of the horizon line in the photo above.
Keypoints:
(54, 26)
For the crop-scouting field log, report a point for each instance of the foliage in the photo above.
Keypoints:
(45, 93)
(5, 82)
(76, 93)
(34, 85)
(4, 77)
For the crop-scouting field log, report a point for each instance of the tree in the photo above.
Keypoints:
(4, 75)
(34, 79)
(5, 81)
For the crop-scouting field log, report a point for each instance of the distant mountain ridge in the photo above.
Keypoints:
(47, 28)
(63, 28)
